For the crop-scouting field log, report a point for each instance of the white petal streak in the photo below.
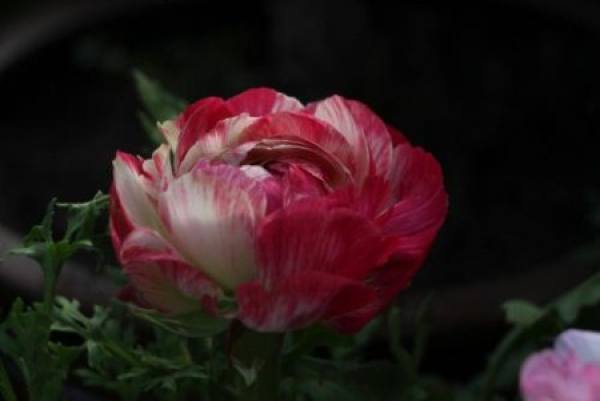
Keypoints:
(171, 133)
(158, 170)
(217, 141)
(363, 129)
(335, 112)
(211, 214)
(285, 103)
(132, 189)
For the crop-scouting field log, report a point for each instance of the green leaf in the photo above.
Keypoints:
(82, 219)
(192, 325)
(160, 105)
(36, 242)
(40, 245)
(6, 390)
(521, 313)
(44, 364)
(503, 364)
(117, 362)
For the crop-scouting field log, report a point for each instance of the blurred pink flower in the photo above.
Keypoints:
(569, 372)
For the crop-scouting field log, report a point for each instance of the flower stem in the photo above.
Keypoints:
(6, 389)
(49, 291)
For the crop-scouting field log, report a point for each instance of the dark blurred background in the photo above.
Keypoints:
(506, 95)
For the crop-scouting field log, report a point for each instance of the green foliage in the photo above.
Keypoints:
(344, 373)
(534, 327)
(6, 389)
(43, 364)
(118, 362)
(193, 325)
(159, 104)
(25, 333)
(521, 313)
(81, 233)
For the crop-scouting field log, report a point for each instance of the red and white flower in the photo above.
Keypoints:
(569, 372)
(302, 214)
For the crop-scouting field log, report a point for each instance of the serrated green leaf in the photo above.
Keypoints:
(82, 219)
(192, 325)
(37, 242)
(44, 364)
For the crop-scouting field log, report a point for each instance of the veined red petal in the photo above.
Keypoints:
(210, 216)
(302, 299)
(295, 127)
(422, 202)
(363, 129)
(215, 142)
(396, 136)
(413, 222)
(371, 200)
(197, 120)
(261, 101)
(297, 183)
(311, 235)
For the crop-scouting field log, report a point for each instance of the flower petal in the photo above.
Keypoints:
(362, 128)
(293, 128)
(371, 200)
(419, 189)
(173, 287)
(131, 188)
(120, 226)
(551, 375)
(170, 132)
(312, 235)
(215, 142)
(414, 221)
(262, 101)
(146, 245)
(585, 344)
(210, 215)
(303, 299)
(396, 136)
(158, 170)
(197, 120)
(162, 279)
